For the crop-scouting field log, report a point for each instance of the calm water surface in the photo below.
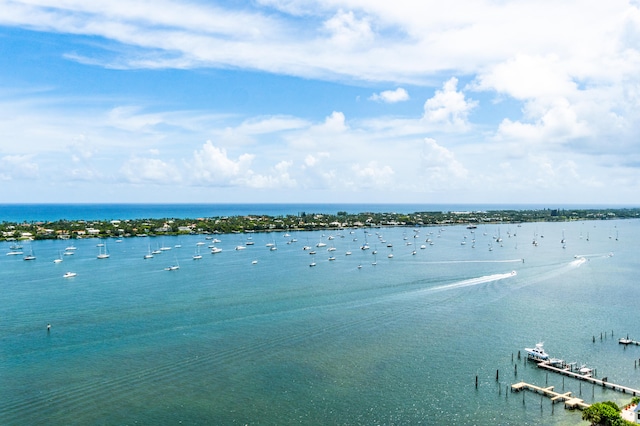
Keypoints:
(225, 341)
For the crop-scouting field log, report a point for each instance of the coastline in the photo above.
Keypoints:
(302, 221)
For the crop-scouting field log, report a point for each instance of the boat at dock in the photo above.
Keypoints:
(537, 353)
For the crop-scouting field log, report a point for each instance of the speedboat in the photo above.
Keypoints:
(556, 362)
(584, 370)
(537, 353)
(69, 275)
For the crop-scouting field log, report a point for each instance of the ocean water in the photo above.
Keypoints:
(224, 340)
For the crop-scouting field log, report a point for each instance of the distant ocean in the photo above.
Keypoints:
(53, 212)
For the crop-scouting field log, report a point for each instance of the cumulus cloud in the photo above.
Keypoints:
(311, 160)
(335, 123)
(449, 107)
(212, 166)
(440, 166)
(526, 77)
(279, 177)
(373, 175)
(555, 122)
(346, 30)
(391, 96)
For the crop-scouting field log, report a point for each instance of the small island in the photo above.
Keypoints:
(303, 221)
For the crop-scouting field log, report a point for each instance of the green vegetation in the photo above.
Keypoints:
(604, 413)
(303, 221)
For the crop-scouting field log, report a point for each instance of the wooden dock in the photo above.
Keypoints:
(587, 378)
(569, 401)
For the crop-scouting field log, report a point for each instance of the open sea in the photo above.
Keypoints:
(258, 336)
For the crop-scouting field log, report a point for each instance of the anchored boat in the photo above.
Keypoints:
(537, 353)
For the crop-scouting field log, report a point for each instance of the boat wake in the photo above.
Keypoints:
(475, 281)
(579, 260)
(441, 262)
(593, 255)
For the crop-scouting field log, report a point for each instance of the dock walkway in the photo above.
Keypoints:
(569, 401)
(604, 383)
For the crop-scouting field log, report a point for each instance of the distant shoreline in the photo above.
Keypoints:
(70, 229)
(48, 212)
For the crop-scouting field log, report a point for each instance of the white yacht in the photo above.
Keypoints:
(537, 353)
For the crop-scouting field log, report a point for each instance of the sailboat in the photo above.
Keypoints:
(149, 255)
(58, 259)
(173, 267)
(102, 254)
(30, 256)
(197, 255)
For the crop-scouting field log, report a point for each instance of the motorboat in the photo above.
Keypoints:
(625, 341)
(584, 370)
(69, 275)
(556, 362)
(537, 353)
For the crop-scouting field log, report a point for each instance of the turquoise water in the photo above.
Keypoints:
(226, 341)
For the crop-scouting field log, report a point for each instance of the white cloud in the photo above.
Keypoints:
(449, 107)
(279, 178)
(551, 123)
(526, 77)
(391, 96)
(346, 31)
(373, 175)
(212, 166)
(311, 160)
(335, 123)
(264, 125)
(18, 167)
(407, 41)
(440, 168)
(150, 170)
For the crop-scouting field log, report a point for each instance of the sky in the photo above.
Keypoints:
(336, 101)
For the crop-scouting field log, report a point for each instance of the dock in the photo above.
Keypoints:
(570, 402)
(588, 378)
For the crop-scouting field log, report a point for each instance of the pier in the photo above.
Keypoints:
(569, 401)
(566, 371)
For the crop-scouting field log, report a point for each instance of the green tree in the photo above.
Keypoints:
(603, 414)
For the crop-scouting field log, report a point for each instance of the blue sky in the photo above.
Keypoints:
(337, 101)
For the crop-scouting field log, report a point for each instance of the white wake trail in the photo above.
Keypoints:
(442, 262)
(475, 281)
